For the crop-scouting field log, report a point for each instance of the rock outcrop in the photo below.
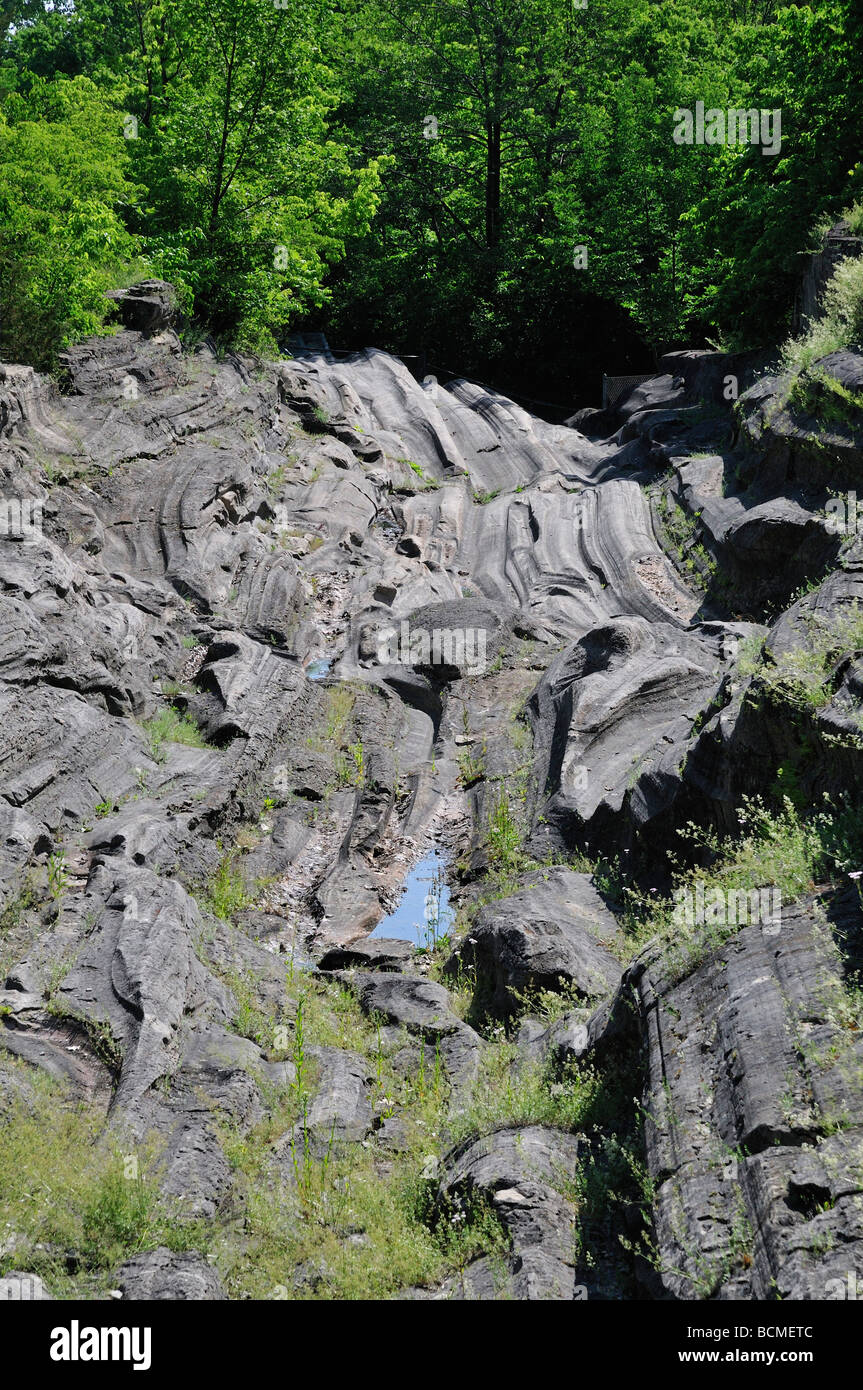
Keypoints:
(268, 631)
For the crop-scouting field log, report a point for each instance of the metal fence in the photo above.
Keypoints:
(613, 387)
(310, 345)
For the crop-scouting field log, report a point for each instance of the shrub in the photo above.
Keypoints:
(841, 324)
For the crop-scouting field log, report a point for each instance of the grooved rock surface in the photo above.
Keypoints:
(377, 953)
(171, 1275)
(753, 1128)
(269, 631)
(556, 929)
(521, 1172)
(340, 1109)
(422, 1008)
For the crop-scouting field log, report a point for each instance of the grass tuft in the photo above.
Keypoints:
(169, 726)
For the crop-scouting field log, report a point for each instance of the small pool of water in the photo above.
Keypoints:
(316, 670)
(424, 913)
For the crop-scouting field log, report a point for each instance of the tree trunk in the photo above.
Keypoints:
(492, 184)
(218, 182)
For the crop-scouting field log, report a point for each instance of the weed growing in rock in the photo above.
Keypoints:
(227, 892)
(550, 1004)
(511, 1093)
(777, 847)
(803, 675)
(687, 550)
(99, 1032)
(471, 765)
(66, 1199)
(349, 766)
(250, 1020)
(505, 834)
(15, 909)
(841, 323)
(169, 726)
(612, 1176)
(336, 721)
(58, 877)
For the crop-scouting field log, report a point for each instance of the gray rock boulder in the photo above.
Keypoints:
(755, 1192)
(375, 953)
(340, 1110)
(556, 930)
(168, 1275)
(148, 307)
(422, 1008)
(520, 1172)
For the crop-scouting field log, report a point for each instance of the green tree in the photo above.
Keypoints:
(755, 220)
(250, 199)
(64, 186)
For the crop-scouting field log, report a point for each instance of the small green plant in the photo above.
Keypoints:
(471, 765)
(840, 324)
(169, 726)
(340, 705)
(504, 835)
(276, 479)
(802, 675)
(356, 752)
(682, 529)
(249, 1021)
(58, 878)
(99, 1033)
(226, 893)
(299, 1050)
(15, 909)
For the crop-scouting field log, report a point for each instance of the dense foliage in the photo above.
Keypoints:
(422, 173)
